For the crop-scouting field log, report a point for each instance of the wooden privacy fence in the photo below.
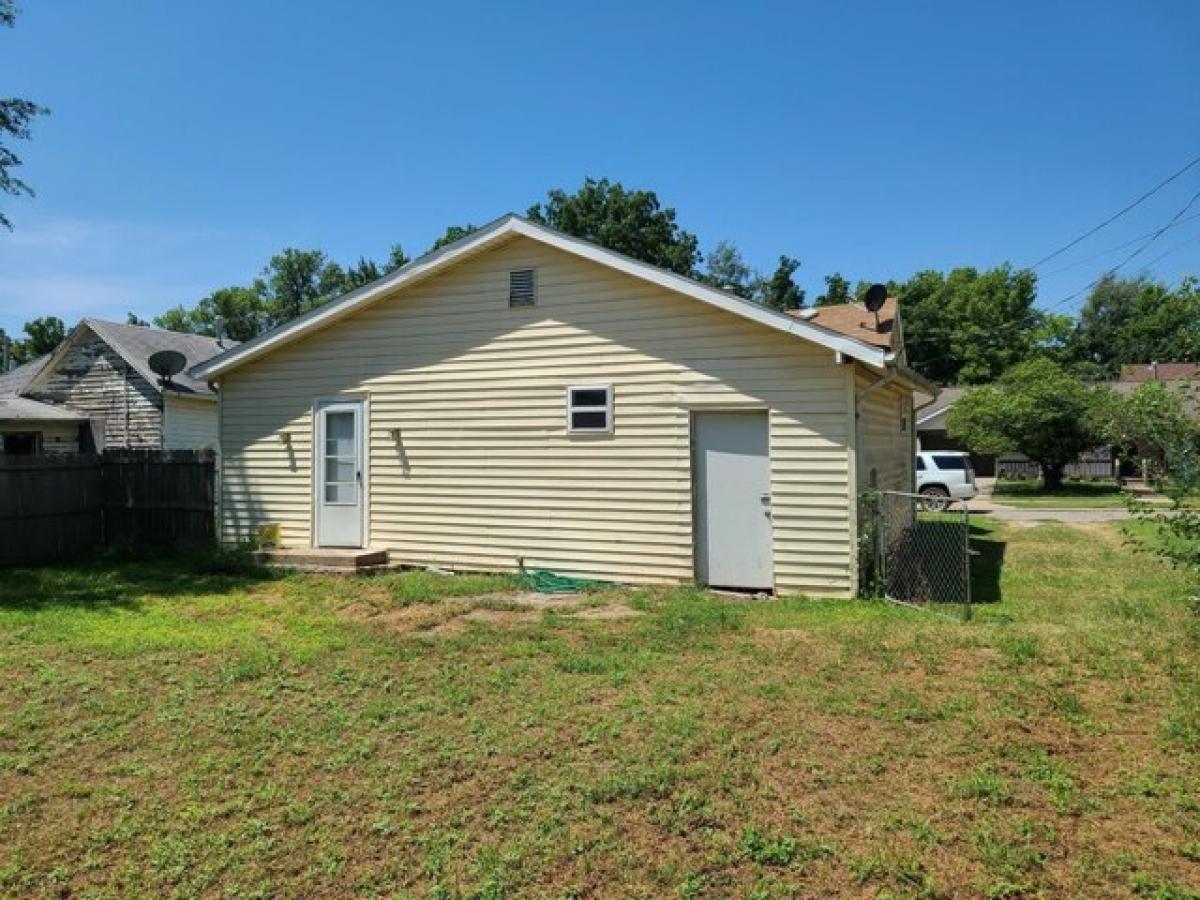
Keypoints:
(60, 508)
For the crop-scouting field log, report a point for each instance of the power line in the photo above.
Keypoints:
(1166, 253)
(1032, 319)
(1154, 237)
(1087, 234)
(1113, 249)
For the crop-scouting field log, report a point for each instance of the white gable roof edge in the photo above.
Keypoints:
(477, 241)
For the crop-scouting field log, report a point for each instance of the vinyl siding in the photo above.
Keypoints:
(484, 470)
(887, 448)
(189, 424)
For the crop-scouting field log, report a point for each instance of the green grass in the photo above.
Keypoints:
(167, 729)
(1079, 494)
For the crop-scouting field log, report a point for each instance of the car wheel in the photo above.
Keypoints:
(934, 498)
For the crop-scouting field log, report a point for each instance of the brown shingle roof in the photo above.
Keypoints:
(856, 321)
(1159, 371)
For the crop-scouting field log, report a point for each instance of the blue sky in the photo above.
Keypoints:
(190, 141)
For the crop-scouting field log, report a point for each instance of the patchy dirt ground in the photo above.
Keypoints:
(453, 616)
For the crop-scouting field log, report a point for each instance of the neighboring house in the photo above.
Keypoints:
(932, 434)
(1181, 377)
(522, 396)
(97, 391)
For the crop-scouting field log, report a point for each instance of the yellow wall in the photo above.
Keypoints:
(485, 471)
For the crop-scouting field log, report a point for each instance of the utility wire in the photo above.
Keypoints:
(1113, 249)
(1146, 268)
(1087, 234)
(1153, 236)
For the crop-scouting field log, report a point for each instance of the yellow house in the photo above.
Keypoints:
(526, 396)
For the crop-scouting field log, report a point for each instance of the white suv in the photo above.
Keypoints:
(943, 475)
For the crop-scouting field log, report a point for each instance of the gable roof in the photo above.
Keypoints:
(933, 416)
(13, 381)
(856, 321)
(135, 344)
(504, 229)
(22, 409)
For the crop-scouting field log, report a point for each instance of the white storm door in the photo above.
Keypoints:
(732, 489)
(338, 474)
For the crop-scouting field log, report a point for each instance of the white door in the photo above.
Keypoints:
(338, 474)
(731, 475)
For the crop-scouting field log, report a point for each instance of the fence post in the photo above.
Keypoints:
(966, 557)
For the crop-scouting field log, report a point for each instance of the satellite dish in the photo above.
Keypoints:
(166, 363)
(875, 298)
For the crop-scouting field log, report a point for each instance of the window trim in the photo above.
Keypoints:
(607, 408)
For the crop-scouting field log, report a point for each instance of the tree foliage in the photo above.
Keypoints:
(1036, 408)
(16, 114)
(724, 268)
(41, 336)
(1151, 421)
(450, 235)
(1136, 320)
(837, 291)
(781, 291)
(632, 222)
(968, 326)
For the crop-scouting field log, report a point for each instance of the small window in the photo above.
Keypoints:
(590, 408)
(920, 464)
(947, 463)
(522, 288)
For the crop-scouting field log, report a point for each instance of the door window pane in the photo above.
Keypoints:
(339, 470)
(340, 494)
(339, 434)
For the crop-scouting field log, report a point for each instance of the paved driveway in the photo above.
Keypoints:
(1026, 514)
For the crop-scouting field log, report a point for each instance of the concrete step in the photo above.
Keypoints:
(323, 559)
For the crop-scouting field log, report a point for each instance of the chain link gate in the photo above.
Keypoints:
(921, 549)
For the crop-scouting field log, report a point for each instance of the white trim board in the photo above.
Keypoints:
(503, 229)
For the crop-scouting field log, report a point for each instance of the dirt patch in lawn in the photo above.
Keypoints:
(449, 617)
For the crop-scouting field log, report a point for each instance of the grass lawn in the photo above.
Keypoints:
(1080, 494)
(165, 732)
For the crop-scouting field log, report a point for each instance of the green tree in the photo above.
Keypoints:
(16, 115)
(240, 310)
(295, 281)
(632, 222)
(43, 335)
(781, 291)
(361, 273)
(132, 318)
(724, 268)
(1036, 408)
(1136, 320)
(1151, 421)
(968, 326)
(837, 291)
(397, 258)
(450, 235)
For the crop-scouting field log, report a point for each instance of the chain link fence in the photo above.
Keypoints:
(916, 550)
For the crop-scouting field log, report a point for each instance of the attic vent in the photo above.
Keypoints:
(521, 290)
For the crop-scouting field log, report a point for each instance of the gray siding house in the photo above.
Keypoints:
(96, 391)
